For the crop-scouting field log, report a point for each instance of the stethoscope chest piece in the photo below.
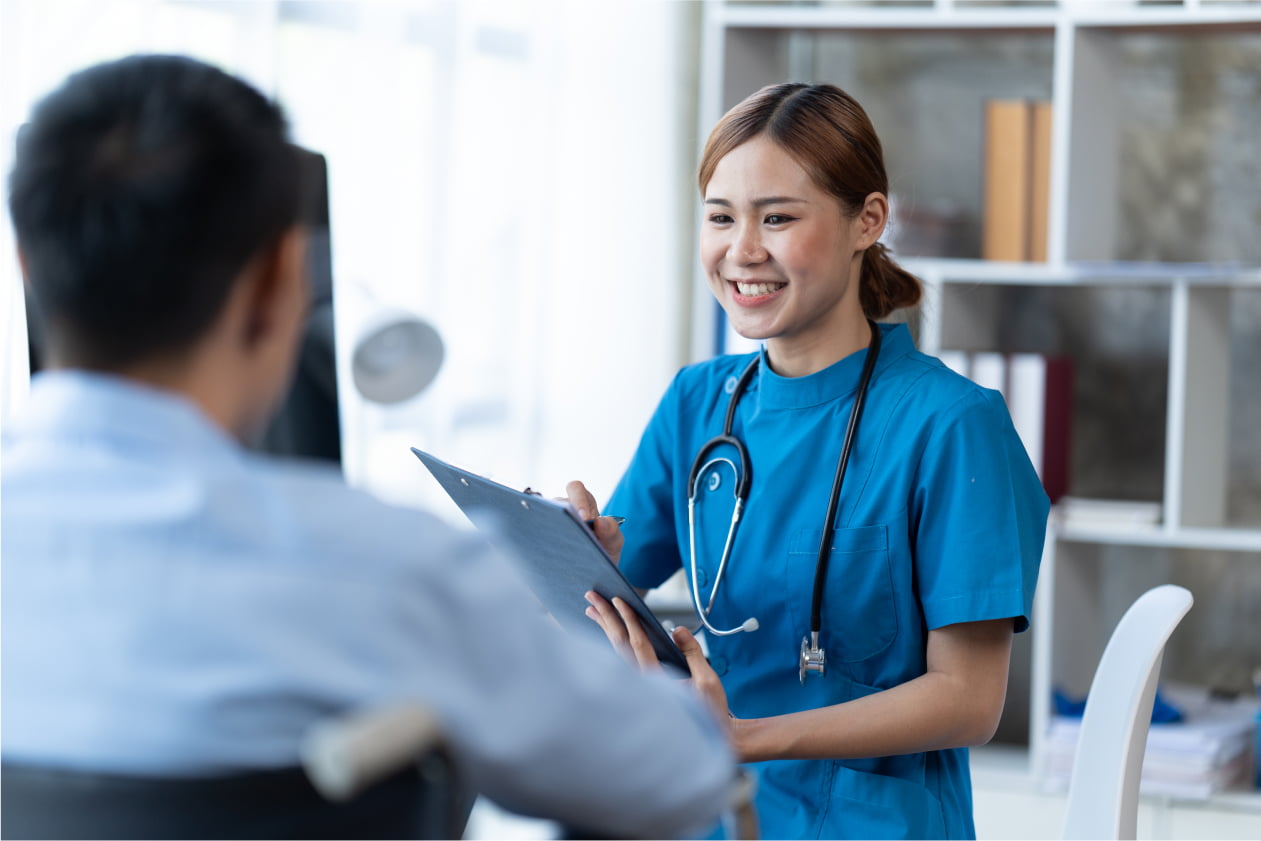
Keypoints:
(813, 659)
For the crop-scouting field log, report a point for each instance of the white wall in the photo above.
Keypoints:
(516, 173)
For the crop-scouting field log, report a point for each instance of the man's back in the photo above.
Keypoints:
(173, 604)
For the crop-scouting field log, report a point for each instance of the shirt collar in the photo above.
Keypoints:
(97, 406)
(836, 381)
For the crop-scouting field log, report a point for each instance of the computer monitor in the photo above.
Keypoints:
(308, 423)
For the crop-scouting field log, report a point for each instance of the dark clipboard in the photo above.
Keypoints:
(561, 559)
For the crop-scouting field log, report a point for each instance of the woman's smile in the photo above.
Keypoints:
(753, 292)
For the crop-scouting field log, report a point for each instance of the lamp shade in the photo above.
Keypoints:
(397, 359)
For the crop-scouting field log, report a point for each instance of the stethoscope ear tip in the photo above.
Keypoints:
(750, 624)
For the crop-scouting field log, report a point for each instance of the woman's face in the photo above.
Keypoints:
(782, 258)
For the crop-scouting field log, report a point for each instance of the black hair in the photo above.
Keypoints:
(140, 190)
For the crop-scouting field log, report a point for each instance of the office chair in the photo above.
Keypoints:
(1103, 789)
(380, 774)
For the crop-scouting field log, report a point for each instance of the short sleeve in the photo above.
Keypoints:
(645, 496)
(979, 514)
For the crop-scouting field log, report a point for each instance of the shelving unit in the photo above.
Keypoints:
(923, 71)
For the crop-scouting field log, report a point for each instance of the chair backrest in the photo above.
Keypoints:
(362, 789)
(55, 803)
(1103, 789)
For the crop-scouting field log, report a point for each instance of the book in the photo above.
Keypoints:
(1017, 176)
(1007, 172)
(1039, 396)
(1039, 180)
(989, 370)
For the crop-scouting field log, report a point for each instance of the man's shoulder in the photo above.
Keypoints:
(338, 521)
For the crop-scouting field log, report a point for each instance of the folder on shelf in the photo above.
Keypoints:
(1017, 173)
(1040, 399)
(1038, 390)
(1040, 180)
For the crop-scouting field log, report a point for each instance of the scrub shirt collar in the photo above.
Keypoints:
(837, 380)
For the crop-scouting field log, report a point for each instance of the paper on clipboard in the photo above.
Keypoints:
(560, 557)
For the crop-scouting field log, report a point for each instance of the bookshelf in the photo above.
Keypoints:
(1148, 294)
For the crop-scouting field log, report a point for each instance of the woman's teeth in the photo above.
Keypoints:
(754, 290)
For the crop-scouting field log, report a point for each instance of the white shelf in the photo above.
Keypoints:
(748, 45)
(783, 16)
(1082, 273)
(1235, 17)
(998, 767)
(964, 18)
(1223, 539)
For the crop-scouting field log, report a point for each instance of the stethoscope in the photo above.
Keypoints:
(812, 658)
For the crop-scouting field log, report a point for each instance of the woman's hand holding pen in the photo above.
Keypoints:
(606, 529)
(623, 628)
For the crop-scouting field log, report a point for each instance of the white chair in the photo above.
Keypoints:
(1103, 790)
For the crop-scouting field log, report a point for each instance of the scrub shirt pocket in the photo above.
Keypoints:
(867, 805)
(859, 613)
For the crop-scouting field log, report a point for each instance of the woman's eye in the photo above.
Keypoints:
(719, 219)
(778, 219)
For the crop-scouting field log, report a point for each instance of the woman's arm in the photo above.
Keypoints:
(956, 703)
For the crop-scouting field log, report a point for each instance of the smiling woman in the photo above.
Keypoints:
(861, 634)
(795, 193)
(784, 257)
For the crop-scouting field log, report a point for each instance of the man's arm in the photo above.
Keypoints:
(556, 725)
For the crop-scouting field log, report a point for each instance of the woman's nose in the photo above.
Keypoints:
(748, 248)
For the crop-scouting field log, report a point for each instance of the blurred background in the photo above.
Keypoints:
(515, 175)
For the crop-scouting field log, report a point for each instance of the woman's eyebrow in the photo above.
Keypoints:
(762, 202)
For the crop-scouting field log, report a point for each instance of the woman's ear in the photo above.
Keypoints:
(872, 218)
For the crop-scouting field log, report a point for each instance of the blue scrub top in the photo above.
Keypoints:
(941, 520)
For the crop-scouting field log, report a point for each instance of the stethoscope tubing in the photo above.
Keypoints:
(842, 465)
(743, 480)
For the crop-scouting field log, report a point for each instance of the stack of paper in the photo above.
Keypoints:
(1209, 750)
(1096, 514)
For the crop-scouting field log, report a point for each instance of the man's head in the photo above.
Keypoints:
(148, 195)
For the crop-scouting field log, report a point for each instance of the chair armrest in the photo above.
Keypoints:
(346, 755)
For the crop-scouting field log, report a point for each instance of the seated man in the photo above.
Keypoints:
(177, 605)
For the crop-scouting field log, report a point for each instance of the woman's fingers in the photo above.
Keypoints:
(609, 533)
(622, 626)
(581, 499)
(639, 642)
(605, 528)
(704, 679)
(610, 621)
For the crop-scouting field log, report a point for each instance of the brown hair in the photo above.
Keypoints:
(829, 134)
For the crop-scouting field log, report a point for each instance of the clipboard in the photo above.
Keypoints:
(561, 558)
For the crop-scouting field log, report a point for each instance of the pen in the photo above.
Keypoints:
(618, 520)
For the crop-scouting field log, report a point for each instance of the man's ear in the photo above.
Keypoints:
(278, 291)
(872, 217)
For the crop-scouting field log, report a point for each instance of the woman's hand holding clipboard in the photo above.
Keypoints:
(561, 557)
